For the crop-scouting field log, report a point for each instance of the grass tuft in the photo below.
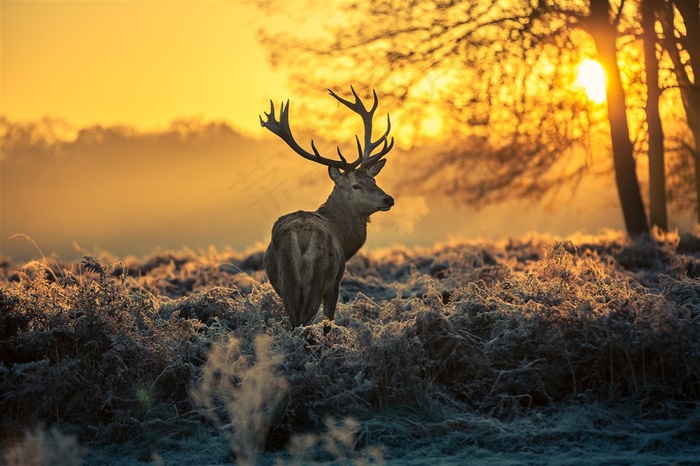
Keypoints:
(241, 397)
(464, 340)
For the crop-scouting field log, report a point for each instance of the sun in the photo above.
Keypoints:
(591, 77)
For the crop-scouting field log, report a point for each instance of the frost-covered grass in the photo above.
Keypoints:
(583, 350)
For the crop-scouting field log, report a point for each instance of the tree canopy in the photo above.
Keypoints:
(496, 80)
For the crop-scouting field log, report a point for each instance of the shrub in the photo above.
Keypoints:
(147, 345)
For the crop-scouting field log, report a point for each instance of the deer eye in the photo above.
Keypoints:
(356, 186)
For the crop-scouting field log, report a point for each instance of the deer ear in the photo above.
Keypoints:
(373, 170)
(335, 174)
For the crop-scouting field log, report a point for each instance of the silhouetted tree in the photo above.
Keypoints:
(498, 76)
(657, 169)
(604, 32)
(682, 44)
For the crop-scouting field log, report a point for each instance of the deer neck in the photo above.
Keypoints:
(347, 225)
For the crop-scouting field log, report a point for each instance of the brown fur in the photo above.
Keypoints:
(305, 260)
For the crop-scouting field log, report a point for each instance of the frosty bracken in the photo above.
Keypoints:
(306, 257)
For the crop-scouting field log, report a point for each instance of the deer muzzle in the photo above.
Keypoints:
(388, 202)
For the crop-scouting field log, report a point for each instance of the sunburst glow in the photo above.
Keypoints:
(591, 77)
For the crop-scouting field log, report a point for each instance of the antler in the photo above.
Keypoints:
(281, 128)
(365, 158)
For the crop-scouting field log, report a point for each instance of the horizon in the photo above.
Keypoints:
(106, 191)
(197, 64)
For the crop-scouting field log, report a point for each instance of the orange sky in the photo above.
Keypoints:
(136, 63)
(143, 64)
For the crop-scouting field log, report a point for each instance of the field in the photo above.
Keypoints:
(536, 350)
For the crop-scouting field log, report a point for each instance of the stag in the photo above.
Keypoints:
(305, 260)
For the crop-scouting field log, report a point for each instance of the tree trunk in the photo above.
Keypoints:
(657, 169)
(604, 34)
(690, 90)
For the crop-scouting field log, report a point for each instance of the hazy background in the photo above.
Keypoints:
(201, 184)
(134, 126)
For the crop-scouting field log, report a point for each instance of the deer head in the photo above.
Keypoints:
(355, 179)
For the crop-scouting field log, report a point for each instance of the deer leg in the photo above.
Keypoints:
(330, 302)
(332, 288)
(312, 302)
(291, 300)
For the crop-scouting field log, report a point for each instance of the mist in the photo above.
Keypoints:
(199, 184)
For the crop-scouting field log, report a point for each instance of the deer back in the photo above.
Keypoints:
(304, 261)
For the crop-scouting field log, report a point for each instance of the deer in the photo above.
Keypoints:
(305, 260)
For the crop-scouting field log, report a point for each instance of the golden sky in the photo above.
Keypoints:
(139, 63)
(144, 64)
